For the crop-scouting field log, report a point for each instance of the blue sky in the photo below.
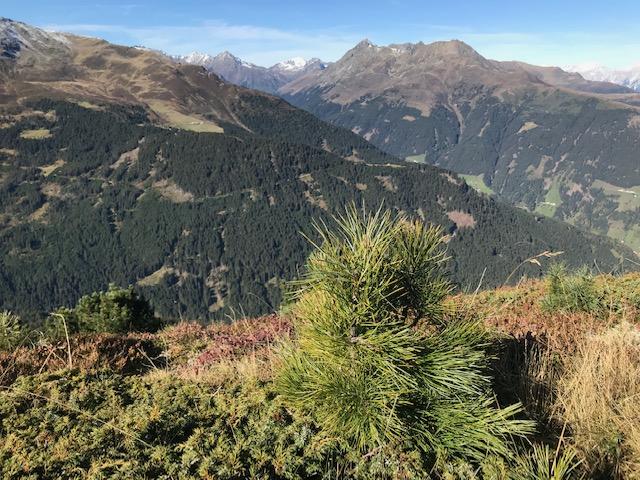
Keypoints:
(264, 32)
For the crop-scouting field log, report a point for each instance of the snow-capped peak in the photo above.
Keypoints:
(293, 64)
(15, 37)
(209, 61)
(197, 58)
(628, 78)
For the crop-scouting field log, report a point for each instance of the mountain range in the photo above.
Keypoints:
(122, 165)
(539, 138)
(248, 75)
(561, 143)
(629, 78)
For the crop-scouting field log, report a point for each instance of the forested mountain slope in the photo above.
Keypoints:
(117, 165)
(208, 225)
(540, 138)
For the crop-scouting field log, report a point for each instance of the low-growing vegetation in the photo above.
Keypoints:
(570, 293)
(11, 332)
(374, 371)
(118, 310)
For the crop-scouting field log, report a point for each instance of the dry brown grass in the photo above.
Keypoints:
(599, 398)
(574, 370)
(131, 353)
(518, 311)
(197, 347)
(462, 219)
(257, 366)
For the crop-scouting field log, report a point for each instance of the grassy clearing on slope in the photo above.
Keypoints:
(90, 106)
(477, 183)
(9, 152)
(180, 120)
(37, 134)
(628, 199)
(552, 200)
(629, 235)
(417, 158)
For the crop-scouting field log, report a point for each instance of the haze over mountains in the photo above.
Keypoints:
(119, 164)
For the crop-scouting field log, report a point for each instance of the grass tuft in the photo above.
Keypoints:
(599, 397)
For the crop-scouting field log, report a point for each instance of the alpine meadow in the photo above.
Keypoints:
(239, 242)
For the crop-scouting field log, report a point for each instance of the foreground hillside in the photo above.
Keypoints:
(200, 402)
(208, 225)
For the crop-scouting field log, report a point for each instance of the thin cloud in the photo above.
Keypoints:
(126, 8)
(256, 44)
(266, 46)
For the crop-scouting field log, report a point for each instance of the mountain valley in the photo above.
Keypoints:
(119, 165)
(540, 138)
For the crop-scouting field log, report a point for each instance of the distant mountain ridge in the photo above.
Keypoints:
(538, 137)
(629, 78)
(246, 74)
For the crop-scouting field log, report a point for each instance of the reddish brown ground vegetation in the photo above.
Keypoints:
(188, 344)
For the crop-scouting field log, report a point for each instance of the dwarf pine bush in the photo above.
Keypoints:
(118, 310)
(374, 360)
(570, 292)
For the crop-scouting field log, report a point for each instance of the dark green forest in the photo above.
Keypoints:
(209, 226)
(570, 144)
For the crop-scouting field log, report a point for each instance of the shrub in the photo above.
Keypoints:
(118, 310)
(364, 370)
(599, 397)
(570, 293)
(11, 332)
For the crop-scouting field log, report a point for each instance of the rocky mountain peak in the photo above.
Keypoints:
(226, 55)
(364, 43)
(454, 47)
(18, 40)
